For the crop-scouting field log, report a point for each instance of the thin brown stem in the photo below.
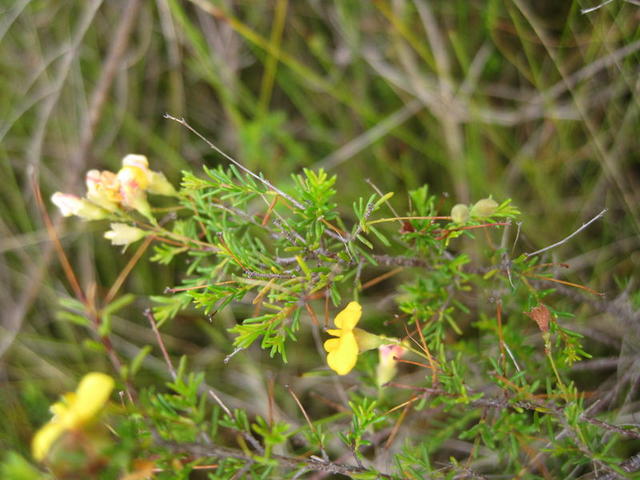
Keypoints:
(127, 270)
(154, 326)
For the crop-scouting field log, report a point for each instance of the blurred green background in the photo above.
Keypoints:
(533, 100)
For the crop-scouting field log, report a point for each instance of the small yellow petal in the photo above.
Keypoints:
(348, 318)
(44, 439)
(92, 393)
(336, 332)
(59, 408)
(344, 358)
(332, 344)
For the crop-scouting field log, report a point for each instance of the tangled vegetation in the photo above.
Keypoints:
(418, 262)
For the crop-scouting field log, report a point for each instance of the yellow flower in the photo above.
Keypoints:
(343, 351)
(74, 411)
(73, 205)
(123, 234)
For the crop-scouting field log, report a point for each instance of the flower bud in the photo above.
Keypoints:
(484, 208)
(73, 205)
(123, 234)
(103, 189)
(388, 364)
(460, 213)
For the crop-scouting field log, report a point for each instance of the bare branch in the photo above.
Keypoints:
(630, 466)
(262, 180)
(311, 464)
(247, 435)
(584, 11)
(564, 240)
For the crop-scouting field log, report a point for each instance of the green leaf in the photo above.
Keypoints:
(136, 363)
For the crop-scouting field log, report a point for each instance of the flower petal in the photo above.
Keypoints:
(74, 410)
(44, 439)
(344, 358)
(348, 318)
(136, 167)
(74, 205)
(132, 189)
(92, 393)
(332, 344)
(135, 160)
(66, 202)
(123, 234)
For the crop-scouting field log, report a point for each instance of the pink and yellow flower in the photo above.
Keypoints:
(133, 182)
(103, 189)
(108, 191)
(149, 180)
(136, 179)
(388, 364)
(137, 167)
